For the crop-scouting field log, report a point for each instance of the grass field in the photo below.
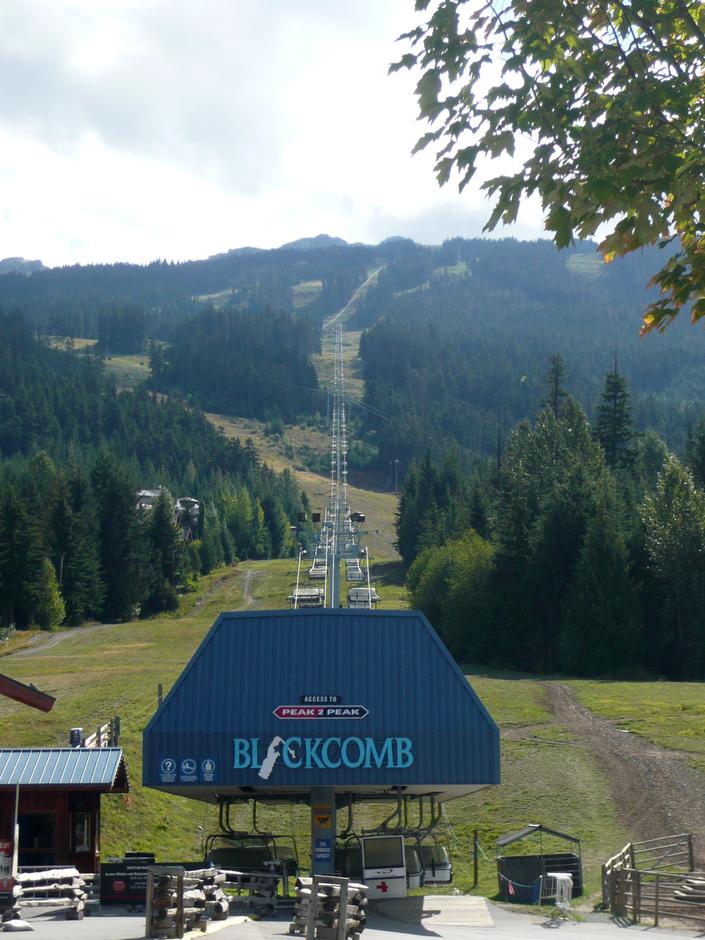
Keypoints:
(127, 371)
(324, 363)
(459, 269)
(305, 292)
(219, 298)
(546, 777)
(667, 713)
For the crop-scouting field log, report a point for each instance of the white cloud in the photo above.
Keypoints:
(135, 129)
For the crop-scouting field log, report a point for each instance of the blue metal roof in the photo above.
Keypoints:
(100, 768)
(389, 708)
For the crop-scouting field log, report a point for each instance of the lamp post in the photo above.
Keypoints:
(396, 474)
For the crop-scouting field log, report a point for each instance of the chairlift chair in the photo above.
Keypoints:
(438, 868)
(254, 850)
(414, 866)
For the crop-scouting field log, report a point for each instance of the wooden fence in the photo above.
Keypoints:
(655, 879)
(107, 735)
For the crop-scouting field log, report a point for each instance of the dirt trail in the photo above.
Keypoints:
(248, 600)
(45, 641)
(218, 583)
(654, 789)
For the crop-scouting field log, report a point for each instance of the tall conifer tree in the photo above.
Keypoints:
(614, 428)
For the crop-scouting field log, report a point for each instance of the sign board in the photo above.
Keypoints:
(125, 882)
(322, 817)
(167, 769)
(323, 850)
(305, 712)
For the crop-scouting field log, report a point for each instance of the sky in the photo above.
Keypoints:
(132, 130)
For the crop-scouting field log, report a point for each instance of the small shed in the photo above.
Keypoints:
(519, 874)
(59, 802)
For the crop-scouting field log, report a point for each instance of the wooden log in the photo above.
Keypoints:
(46, 902)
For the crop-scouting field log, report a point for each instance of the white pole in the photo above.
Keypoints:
(16, 833)
(298, 572)
(369, 587)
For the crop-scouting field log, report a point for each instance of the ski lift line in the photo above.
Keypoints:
(337, 538)
(356, 296)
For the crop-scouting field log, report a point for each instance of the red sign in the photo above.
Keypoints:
(288, 712)
(383, 887)
(119, 886)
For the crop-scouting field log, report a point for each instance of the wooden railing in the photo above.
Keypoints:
(668, 852)
(106, 735)
(658, 895)
(671, 853)
(618, 862)
(655, 879)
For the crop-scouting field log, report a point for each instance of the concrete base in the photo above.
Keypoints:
(436, 910)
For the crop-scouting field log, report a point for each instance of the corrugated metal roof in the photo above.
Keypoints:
(100, 768)
(390, 663)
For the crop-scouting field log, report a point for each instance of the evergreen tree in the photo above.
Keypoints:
(74, 551)
(278, 526)
(614, 428)
(50, 609)
(600, 632)
(121, 545)
(406, 518)
(695, 452)
(674, 521)
(555, 383)
(165, 548)
(21, 561)
(550, 478)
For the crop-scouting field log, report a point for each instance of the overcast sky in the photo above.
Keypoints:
(139, 129)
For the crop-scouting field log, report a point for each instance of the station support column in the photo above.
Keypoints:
(323, 831)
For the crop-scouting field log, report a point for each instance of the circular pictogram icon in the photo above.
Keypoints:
(208, 766)
(168, 765)
(188, 767)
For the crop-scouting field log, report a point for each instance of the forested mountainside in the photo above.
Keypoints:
(74, 452)
(458, 342)
(72, 301)
(252, 364)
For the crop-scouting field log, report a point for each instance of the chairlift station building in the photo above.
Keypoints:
(327, 707)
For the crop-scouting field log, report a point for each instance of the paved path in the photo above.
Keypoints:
(507, 925)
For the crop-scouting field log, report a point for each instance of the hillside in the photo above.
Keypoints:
(552, 770)
(562, 759)
(454, 340)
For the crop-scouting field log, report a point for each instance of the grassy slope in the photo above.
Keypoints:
(128, 371)
(115, 669)
(546, 777)
(668, 713)
(378, 507)
(324, 363)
